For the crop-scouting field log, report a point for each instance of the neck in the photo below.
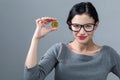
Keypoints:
(83, 47)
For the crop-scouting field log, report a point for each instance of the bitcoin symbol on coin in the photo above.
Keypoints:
(54, 24)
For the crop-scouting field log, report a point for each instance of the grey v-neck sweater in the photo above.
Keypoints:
(72, 66)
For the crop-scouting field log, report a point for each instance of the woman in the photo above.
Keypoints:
(80, 59)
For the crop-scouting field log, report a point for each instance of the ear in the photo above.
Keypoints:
(96, 25)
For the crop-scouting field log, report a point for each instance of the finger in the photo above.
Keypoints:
(44, 20)
(52, 29)
(48, 19)
(38, 20)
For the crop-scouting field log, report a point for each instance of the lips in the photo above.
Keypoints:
(82, 37)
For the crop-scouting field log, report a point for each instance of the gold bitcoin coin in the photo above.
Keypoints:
(54, 24)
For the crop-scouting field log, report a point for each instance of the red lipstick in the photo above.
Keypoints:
(82, 37)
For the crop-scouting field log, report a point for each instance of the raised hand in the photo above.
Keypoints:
(41, 29)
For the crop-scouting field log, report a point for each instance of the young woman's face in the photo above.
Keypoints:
(85, 34)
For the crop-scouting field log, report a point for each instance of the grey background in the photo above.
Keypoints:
(17, 25)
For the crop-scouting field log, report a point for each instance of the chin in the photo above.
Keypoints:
(82, 41)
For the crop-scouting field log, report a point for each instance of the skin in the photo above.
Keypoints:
(86, 46)
(40, 32)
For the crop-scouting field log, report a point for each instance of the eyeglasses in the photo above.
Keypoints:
(77, 27)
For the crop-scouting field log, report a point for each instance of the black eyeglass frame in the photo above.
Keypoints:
(70, 24)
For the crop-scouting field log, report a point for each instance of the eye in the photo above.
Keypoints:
(88, 25)
(76, 25)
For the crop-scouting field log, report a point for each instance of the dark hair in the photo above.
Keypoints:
(83, 8)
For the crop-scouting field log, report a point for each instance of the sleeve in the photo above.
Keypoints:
(116, 63)
(45, 66)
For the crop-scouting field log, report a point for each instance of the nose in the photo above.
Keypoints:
(82, 31)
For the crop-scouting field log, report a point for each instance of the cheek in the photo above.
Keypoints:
(90, 35)
(74, 34)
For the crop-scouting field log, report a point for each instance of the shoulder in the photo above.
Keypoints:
(111, 52)
(109, 49)
(59, 49)
(58, 45)
(54, 50)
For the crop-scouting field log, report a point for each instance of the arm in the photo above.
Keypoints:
(116, 63)
(41, 30)
(116, 67)
(32, 59)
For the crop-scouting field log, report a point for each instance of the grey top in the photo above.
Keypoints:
(71, 66)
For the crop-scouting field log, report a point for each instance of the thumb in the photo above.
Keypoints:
(52, 29)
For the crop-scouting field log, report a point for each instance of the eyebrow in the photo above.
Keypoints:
(82, 24)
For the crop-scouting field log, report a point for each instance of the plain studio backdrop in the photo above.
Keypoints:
(17, 25)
